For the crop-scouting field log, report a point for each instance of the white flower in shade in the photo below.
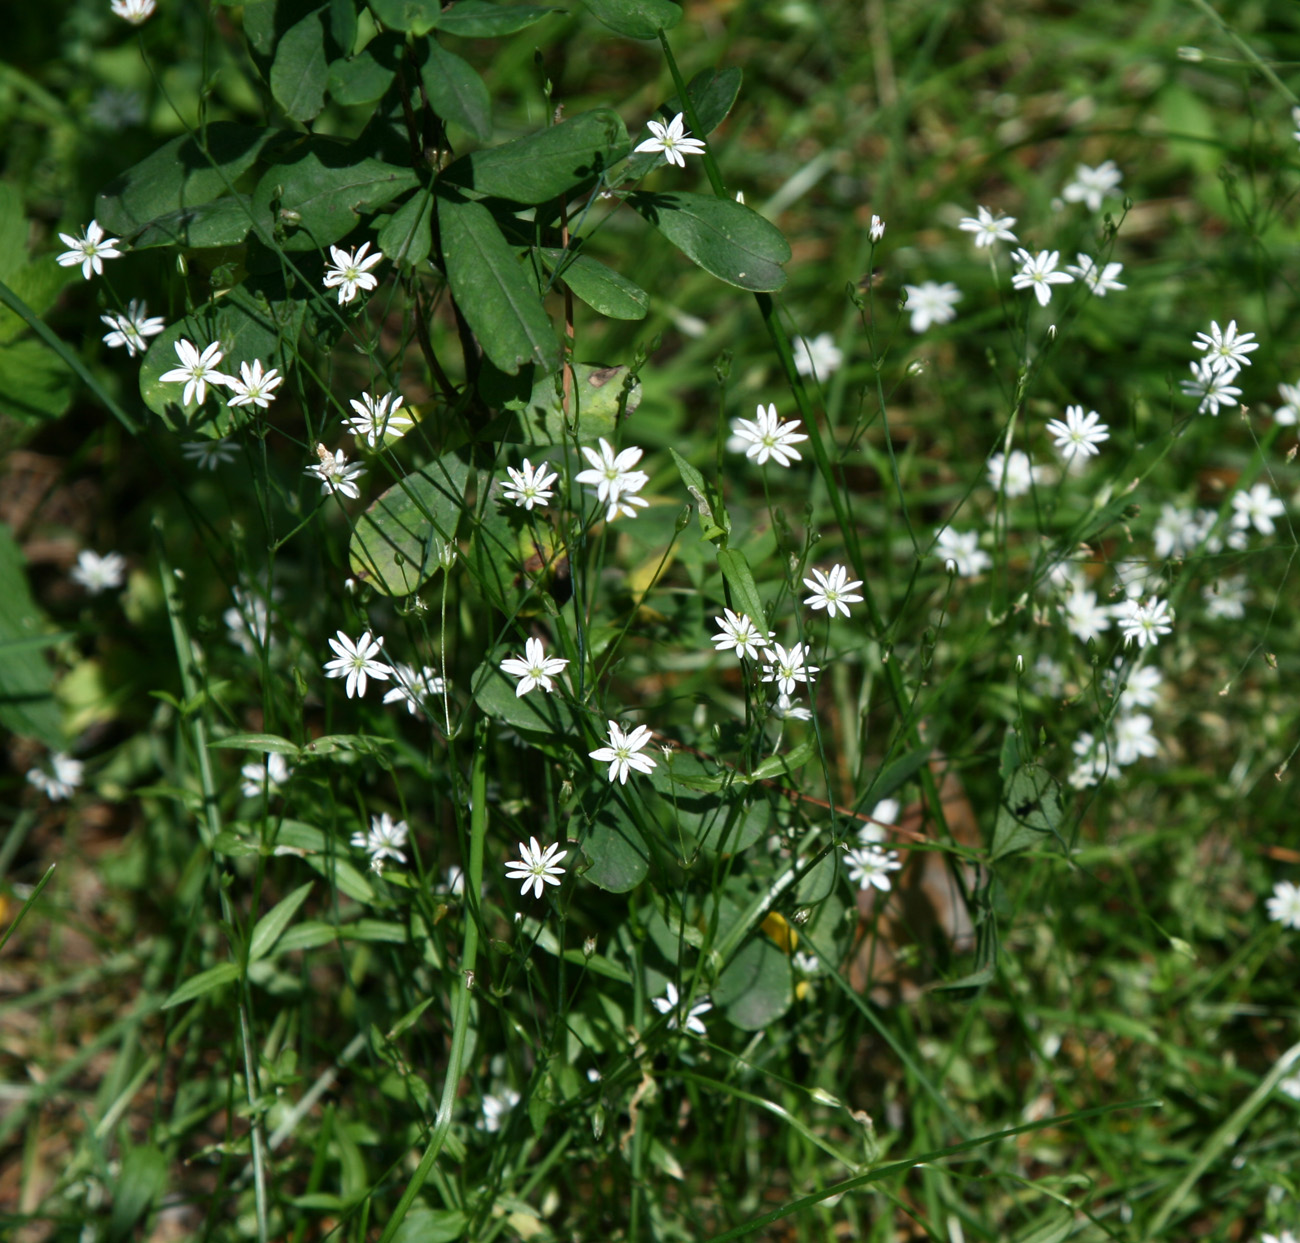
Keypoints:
(532, 485)
(1084, 617)
(1290, 1086)
(249, 622)
(877, 230)
(335, 473)
(1179, 530)
(623, 752)
(1038, 273)
(832, 591)
(785, 710)
(137, 12)
(884, 815)
(534, 669)
(536, 867)
(1141, 686)
(616, 483)
(1256, 508)
(1213, 388)
(768, 437)
(1288, 413)
(264, 776)
(961, 552)
(453, 880)
(414, 687)
(931, 303)
(1135, 577)
(375, 419)
(357, 661)
(738, 632)
(197, 370)
(670, 1003)
(131, 328)
(1091, 185)
(495, 1108)
(1047, 677)
(788, 668)
(1079, 435)
(1013, 473)
(1284, 905)
(1226, 348)
(209, 454)
(1133, 738)
(115, 109)
(96, 573)
(254, 387)
(820, 356)
(351, 271)
(869, 867)
(1144, 622)
(673, 140)
(1101, 279)
(1227, 598)
(63, 779)
(806, 964)
(988, 228)
(89, 250)
(384, 840)
(1093, 762)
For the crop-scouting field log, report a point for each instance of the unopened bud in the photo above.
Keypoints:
(589, 947)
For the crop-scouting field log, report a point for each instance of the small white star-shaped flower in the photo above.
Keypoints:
(375, 419)
(351, 271)
(820, 356)
(536, 867)
(832, 592)
(535, 668)
(1257, 508)
(384, 840)
(529, 486)
(1288, 414)
(254, 387)
(1144, 622)
(131, 327)
(670, 1003)
(877, 229)
(196, 371)
(357, 661)
(1084, 617)
(988, 228)
(615, 481)
(266, 775)
(1214, 388)
(1079, 435)
(1226, 348)
(1284, 905)
(769, 437)
(96, 573)
(335, 472)
(961, 552)
(738, 632)
(623, 752)
(788, 667)
(869, 866)
(60, 784)
(1038, 273)
(673, 140)
(414, 687)
(137, 12)
(931, 303)
(1091, 185)
(90, 250)
(209, 454)
(1100, 279)
(1013, 473)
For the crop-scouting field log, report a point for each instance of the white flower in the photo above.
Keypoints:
(670, 1003)
(931, 303)
(1140, 686)
(1226, 348)
(1214, 388)
(820, 356)
(616, 483)
(1288, 414)
(414, 687)
(1256, 508)
(130, 328)
(1048, 677)
(1079, 435)
(60, 784)
(884, 815)
(384, 840)
(209, 454)
(1091, 185)
(673, 140)
(351, 271)
(1093, 762)
(89, 250)
(1144, 622)
(769, 437)
(268, 774)
(357, 661)
(1284, 905)
(1290, 1086)
(988, 228)
(535, 668)
(335, 474)
(1038, 272)
(1101, 280)
(787, 668)
(374, 418)
(453, 880)
(530, 486)
(622, 754)
(870, 866)
(254, 386)
(832, 591)
(137, 12)
(877, 230)
(1227, 598)
(1179, 530)
(1133, 738)
(248, 622)
(196, 371)
(1013, 473)
(496, 1107)
(536, 867)
(784, 710)
(96, 573)
(1084, 617)
(738, 632)
(961, 552)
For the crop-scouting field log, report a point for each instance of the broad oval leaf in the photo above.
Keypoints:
(601, 288)
(477, 19)
(455, 90)
(496, 694)
(638, 19)
(398, 541)
(299, 72)
(363, 78)
(755, 987)
(406, 236)
(223, 222)
(594, 401)
(547, 164)
(499, 300)
(724, 237)
(204, 982)
(616, 851)
(418, 17)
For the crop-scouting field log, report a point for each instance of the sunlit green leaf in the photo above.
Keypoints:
(638, 19)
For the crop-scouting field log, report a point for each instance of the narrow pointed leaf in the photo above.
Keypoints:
(455, 90)
(268, 929)
(202, 984)
(601, 288)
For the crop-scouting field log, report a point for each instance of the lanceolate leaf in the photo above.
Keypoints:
(476, 19)
(601, 288)
(455, 90)
(299, 71)
(638, 19)
(405, 237)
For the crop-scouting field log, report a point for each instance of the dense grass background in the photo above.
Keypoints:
(1112, 1074)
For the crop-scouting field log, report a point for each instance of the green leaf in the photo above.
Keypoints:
(143, 1178)
(638, 19)
(299, 71)
(495, 693)
(897, 773)
(268, 929)
(311, 934)
(724, 237)
(597, 392)
(27, 704)
(407, 235)
(13, 234)
(455, 90)
(498, 298)
(785, 765)
(545, 165)
(38, 284)
(755, 987)
(601, 288)
(744, 591)
(321, 189)
(264, 743)
(224, 222)
(1030, 810)
(431, 1225)
(34, 383)
(476, 19)
(397, 542)
(341, 873)
(616, 850)
(203, 983)
(418, 17)
(709, 509)
(365, 77)
(180, 175)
